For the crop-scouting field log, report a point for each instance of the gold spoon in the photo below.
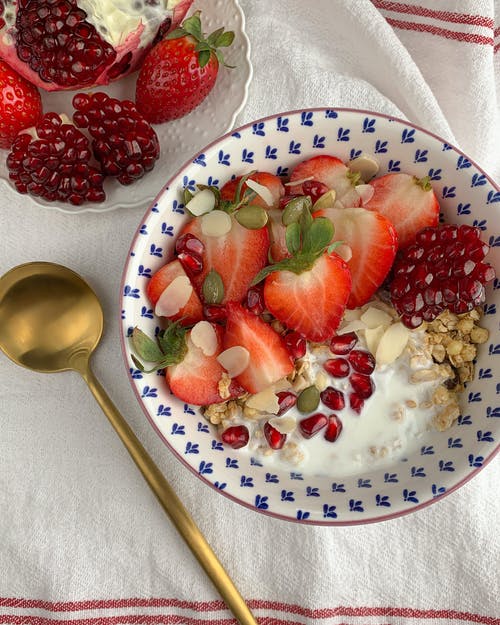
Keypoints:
(50, 321)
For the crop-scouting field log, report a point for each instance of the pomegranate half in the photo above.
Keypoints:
(74, 44)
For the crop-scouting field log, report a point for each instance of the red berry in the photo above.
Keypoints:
(236, 436)
(332, 398)
(363, 385)
(443, 269)
(333, 429)
(337, 367)
(275, 439)
(343, 343)
(312, 425)
(296, 344)
(362, 361)
(125, 144)
(286, 400)
(356, 402)
(314, 189)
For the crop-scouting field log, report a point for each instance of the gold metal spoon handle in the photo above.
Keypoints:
(170, 503)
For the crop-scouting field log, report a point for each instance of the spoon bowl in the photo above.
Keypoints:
(50, 317)
(50, 321)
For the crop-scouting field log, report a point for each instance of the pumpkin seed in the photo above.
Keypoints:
(213, 288)
(251, 217)
(295, 208)
(308, 400)
(327, 200)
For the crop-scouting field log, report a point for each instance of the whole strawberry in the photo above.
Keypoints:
(20, 105)
(180, 71)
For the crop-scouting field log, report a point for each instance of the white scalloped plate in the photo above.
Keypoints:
(180, 138)
(443, 461)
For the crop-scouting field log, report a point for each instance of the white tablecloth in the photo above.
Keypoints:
(81, 536)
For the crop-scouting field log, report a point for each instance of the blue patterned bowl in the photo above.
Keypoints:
(445, 460)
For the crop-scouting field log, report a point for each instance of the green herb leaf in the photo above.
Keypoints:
(317, 237)
(169, 349)
(333, 246)
(296, 264)
(292, 237)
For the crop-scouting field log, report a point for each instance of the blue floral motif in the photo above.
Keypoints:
(258, 129)
(382, 500)
(282, 124)
(177, 429)
(272, 478)
(393, 166)
(329, 512)
(368, 125)
(200, 160)
(455, 443)
(318, 142)
(232, 463)
(306, 118)
(302, 515)
(246, 481)
(287, 495)
(192, 448)
(224, 158)
(364, 483)
(408, 135)
(463, 162)
(312, 491)
(420, 156)
(485, 437)
(478, 180)
(390, 477)
(381, 147)
(434, 174)
(261, 502)
(410, 495)
(205, 468)
(343, 134)
(356, 505)
(294, 148)
(417, 472)
(271, 152)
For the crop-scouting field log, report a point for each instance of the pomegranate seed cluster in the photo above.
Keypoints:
(55, 164)
(442, 270)
(57, 41)
(124, 143)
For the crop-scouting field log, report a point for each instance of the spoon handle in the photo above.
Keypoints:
(172, 505)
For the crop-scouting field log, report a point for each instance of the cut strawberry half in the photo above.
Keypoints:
(372, 240)
(269, 358)
(236, 256)
(312, 302)
(329, 170)
(273, 183)
(408, 202)
(192, 310)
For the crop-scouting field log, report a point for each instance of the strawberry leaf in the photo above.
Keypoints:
(177, 33)
(292, 237)
(169, 349)
(317, 237)
(225, 39)
(203, 57)
(146, 348)
(192, 25)
(212, 39)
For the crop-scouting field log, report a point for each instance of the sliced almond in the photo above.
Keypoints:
(372, 338)
(234, 360)
(366, 192)
(265, 401)
(261, 190)
(392, 343)
(293, 183)
(204, 336)
(373, 317)
(344, 251)
(284, 425)
(201, 202)
(351, 326)
(174, 297)
(217, 223)
(365, 165)
(352, 313)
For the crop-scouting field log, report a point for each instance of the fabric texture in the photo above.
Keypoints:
(83, 540)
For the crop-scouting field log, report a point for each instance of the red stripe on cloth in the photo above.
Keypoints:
(444, 16)
(210, 606)
(442, 32)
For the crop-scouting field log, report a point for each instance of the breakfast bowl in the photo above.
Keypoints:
(368, 478)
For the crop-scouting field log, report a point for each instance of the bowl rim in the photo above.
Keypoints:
(269, 513)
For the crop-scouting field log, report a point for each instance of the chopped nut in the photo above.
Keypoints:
(438, 352)
(398, 414)
(468, 352)
(424, 375)
(444, 419)
(441, 395)
(466, 372)
(321, 381)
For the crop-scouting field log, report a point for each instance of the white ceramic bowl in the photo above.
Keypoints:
(445, 460)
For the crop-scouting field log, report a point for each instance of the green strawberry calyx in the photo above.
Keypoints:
(205, 46)
(307, 239)
(169, 348)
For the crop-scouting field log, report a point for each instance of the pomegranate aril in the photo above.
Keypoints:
(215, 313)
(254, 300)
(356, 402)
(236, 436)
(296, 344)
(363, 385)
(343, 343)
(332, 398)
(286, 400)
(191, 263)
(313, 424)
(337, 367)
(361, 361)
(314, 189)
(274, 439)
(333, 428)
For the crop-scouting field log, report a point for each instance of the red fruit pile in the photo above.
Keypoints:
(443, 269)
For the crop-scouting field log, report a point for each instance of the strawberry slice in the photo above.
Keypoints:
(270, 360)
(308, 291)
(192, 311)
(373, 242)
(312, 302)
(410, 203)
(277, 241)
(329, 170)
(193, 375)
(195, 380)
(236, 256)
(270, 181)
